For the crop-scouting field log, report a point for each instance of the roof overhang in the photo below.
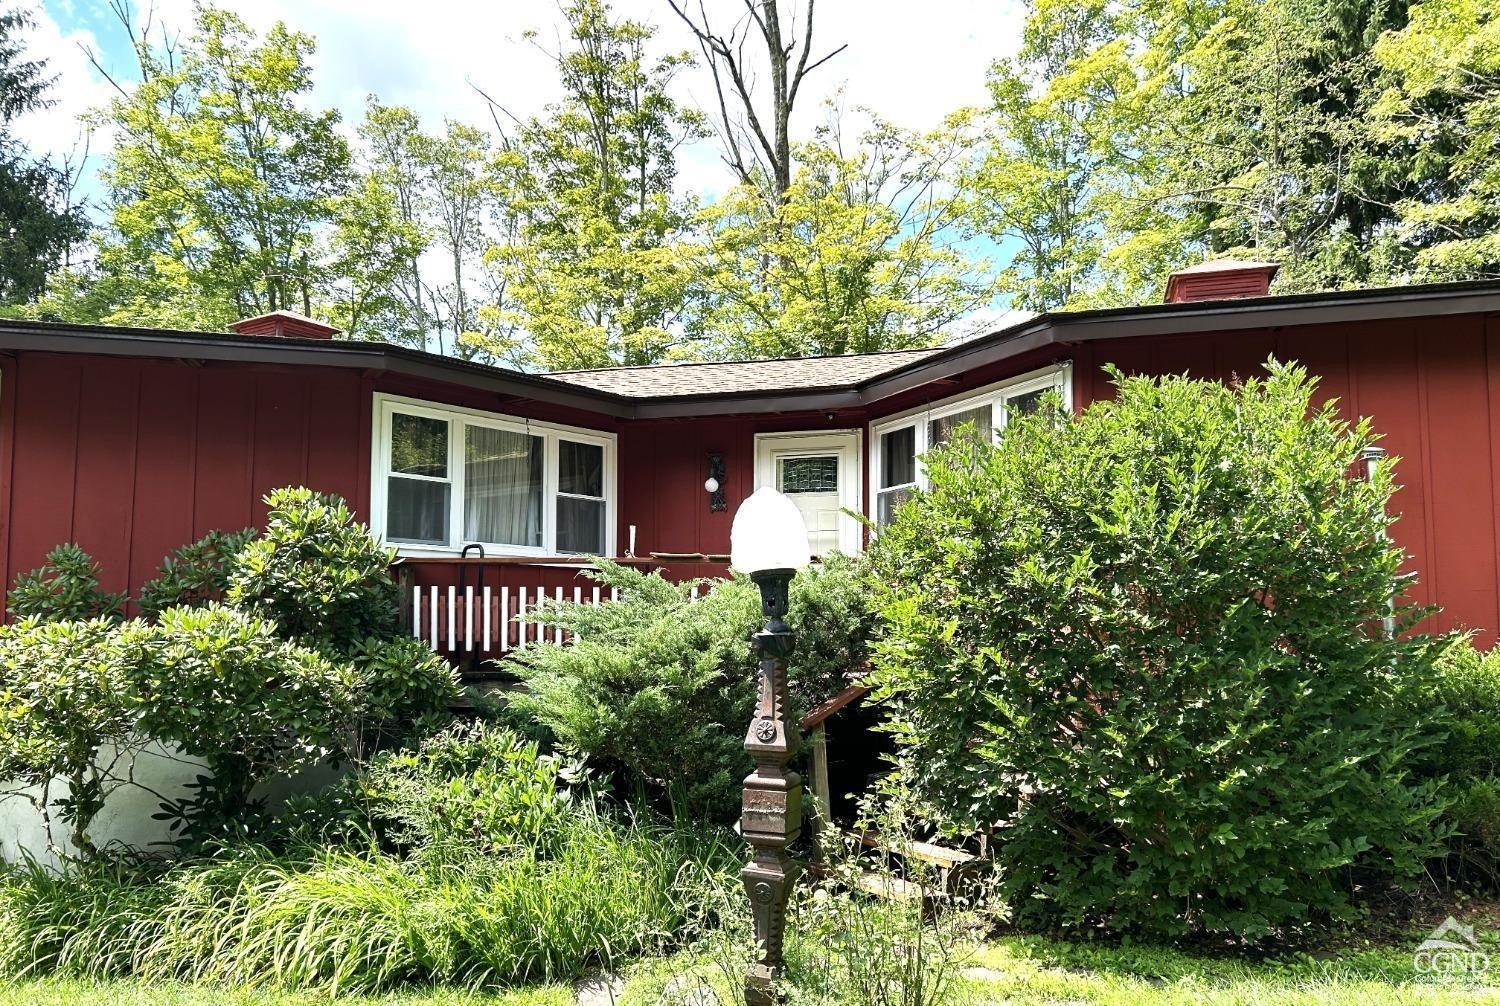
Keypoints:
(373, 356)
(1040, 332)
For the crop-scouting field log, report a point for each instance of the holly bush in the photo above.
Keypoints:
(1144, 647)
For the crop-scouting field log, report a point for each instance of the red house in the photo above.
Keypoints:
(132, 442)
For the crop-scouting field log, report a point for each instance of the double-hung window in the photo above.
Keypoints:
(447, 477)
(900, 442)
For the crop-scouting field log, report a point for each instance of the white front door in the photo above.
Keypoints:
(820, 473)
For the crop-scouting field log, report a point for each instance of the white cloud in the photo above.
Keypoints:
(911, 64)
(58, 131)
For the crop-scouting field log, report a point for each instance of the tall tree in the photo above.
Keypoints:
(37, 224)
(861, 254)
(1037, 187)
(595, 276)
(221, 178)
(1439, 111)
(756, 129)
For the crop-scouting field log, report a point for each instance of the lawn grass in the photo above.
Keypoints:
(130, 993)
(1011, 971)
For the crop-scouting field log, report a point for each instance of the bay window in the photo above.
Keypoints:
(900, 441)
(446, 477)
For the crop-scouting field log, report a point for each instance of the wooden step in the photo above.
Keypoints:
(883, 885)
(924, 852)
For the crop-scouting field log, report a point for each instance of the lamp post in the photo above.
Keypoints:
(769, 542)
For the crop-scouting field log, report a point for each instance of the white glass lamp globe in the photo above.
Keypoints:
(768, 533)
(712, 485)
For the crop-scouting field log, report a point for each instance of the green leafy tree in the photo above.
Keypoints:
(220, 179)
(37, 225)
(1146, 643)
(861, 254)
(1440, 113)
(1037, 183)
(592, 269)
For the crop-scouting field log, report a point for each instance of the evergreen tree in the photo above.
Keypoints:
(37, 226)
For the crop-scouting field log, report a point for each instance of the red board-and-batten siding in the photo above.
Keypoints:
(131, 458)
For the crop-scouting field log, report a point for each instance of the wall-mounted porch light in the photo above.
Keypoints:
(714, 485)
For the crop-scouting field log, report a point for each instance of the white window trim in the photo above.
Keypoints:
(994, 395)
(386, 405)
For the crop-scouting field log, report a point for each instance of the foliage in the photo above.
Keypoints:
(65, 587)
(592, 268)
(38, 224)
(404, 689)
(194, 575)
(858, 256)
(1128, 140)
(1465, 685)
(569, 887)
(1147, 643)
(317, 573)
(62, 704)
(220, 179)
(471, 790)
(662, 685)
(1439, 113)
(221, 685)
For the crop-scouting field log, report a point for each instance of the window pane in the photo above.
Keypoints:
(940, 430)
(809, 475)
(580, 525)
(1024, 405)
(580, 469)
(898, 457)
(417, 511)
(502, 487)
(886, 504)
(419, 446)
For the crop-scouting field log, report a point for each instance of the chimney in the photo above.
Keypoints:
(1221, 279)
(284, 325)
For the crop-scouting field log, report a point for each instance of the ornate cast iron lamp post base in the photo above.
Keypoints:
(771, 812)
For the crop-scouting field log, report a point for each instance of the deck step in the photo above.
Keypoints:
(883, 885)
(923, 852)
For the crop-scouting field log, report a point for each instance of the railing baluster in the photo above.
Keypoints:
(416, 611)
(486, 619)
(520, 625)
(468, 616)
(504, 619)
(558, 637)
(432, 616)
(452, 615)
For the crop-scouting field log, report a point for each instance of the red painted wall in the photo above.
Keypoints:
(132, 458)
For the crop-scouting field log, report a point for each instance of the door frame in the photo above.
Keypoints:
(848, 444)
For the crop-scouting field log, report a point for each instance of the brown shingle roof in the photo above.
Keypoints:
(673, 380)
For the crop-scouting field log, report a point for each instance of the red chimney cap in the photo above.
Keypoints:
(284, 325)
(1220, 279)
